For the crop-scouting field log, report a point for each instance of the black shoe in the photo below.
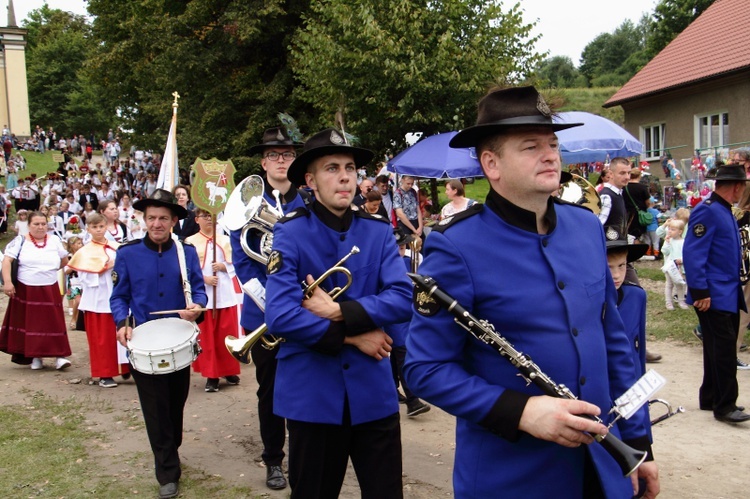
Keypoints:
(416, 407)
(275, 479)
(652, 357)
(168, 490)
(736, 416)
(697, 333)
(232, 380)
(212, 385)
(401, 397)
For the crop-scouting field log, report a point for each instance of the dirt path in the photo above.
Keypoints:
(698, 456)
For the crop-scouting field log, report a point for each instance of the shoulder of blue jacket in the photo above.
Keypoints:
(296, 213)
(132, 242)
(452, 220)
(559, 201)
(369, 216)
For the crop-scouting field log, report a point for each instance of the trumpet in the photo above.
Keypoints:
(240, 348)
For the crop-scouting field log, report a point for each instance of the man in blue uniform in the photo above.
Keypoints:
(333, 381)
(278, 153)
(712, 259)
(556, 303)
(148, 279)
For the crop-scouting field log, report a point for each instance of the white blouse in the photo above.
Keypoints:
(37, 266)
(97, 288)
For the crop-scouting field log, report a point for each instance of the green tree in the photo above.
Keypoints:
(558, 71)
(613, 58)
(670, 18)
(395, 66)
(226, 58)
(59, 44)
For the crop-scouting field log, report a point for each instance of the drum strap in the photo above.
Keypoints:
(183, 271)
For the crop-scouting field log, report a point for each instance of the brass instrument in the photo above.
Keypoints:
(744, 229)
(240, 347)
(670, 412)
(580, 191)
(414, 251)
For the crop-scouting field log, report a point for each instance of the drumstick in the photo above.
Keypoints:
(165, 312)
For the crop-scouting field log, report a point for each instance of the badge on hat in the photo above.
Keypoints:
(274, 262)
(337, 138)
(699, 230)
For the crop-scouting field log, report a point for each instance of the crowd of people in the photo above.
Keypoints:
(345, 362)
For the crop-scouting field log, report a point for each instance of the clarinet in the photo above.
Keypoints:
(628, 458)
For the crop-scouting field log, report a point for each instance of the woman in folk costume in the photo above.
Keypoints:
(94, 263)
(215, 361)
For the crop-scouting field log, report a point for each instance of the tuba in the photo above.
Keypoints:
(240, 348)
(742, 216)
(247, 210)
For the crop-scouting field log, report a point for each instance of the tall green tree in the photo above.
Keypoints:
(59, 46)
(613, 58)
(559, 71)
(396, 66)
(670, 18)
(226, 58)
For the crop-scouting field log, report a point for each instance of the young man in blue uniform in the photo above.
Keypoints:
(333, 381)
(712, 257)
(277, 149)
(147, 279)
(556, 303)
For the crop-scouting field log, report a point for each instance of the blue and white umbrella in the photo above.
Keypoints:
(431, 157)
(597, 138)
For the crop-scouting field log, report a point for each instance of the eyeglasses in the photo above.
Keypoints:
(207, 217)
(287, 155)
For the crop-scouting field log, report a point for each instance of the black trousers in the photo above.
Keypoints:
(398, 356)
(163, 398)
(319, 453)
(719, 389)
(272, 427)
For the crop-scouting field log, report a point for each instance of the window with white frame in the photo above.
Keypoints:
(711, 130)
(652, 138)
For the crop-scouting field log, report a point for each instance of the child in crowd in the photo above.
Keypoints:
(72, 282)
(22, 224)
(673, 269)
(631, 298)
(650, 236)
(94, 263)
(215, 361)
(55, 225)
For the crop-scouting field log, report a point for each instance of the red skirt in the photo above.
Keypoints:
(215, 361)
(101, 333)
(34, 324)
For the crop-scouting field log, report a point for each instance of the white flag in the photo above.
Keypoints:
(169, 172)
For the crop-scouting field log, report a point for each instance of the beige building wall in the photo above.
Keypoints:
(14, 102)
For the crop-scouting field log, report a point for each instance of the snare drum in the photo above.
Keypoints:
(163, 346)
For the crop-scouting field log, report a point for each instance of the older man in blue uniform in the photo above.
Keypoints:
(148, 279)
(278, 153)
(333, 381)
(539, 273)
(712, 259)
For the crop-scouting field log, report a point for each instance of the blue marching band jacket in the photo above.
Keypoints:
(317, 374)
(555, 301)
(713, 256)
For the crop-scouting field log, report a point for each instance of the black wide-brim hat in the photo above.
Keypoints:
(508, 108)
(618, 239)
(276, 136)
(732, 172)
(402, 238)
(329, 141)
(163, 198)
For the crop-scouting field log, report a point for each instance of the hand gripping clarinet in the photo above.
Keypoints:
(627, 457)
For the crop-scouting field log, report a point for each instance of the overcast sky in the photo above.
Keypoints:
(566, 25)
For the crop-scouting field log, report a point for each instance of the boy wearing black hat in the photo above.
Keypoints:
(333, 382)
(712, 270)
(557, 304)
(147, 278)
(278, 151)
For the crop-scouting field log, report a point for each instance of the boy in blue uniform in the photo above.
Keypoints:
(556, 303)
(333, 380)
(278, 153)
(712, 270)
(147, 279)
